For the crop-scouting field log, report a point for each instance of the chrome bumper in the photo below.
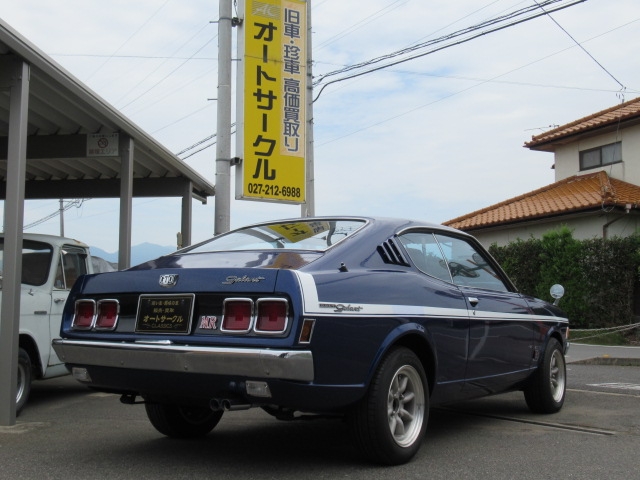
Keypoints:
(294, 365)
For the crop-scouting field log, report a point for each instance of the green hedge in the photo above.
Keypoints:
(598, 275)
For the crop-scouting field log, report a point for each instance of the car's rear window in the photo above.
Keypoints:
(316, 235)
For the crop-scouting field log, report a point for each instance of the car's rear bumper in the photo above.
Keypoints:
(281, 364)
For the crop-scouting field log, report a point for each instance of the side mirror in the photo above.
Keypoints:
(557, 292)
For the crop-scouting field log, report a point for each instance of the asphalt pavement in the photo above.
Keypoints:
(68, 431)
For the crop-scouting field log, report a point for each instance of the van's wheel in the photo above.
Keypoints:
(179, 421)
(25, 375)
(388, 424)
(546, 390)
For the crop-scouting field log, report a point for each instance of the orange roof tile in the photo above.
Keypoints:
(625, 112)
(573, 194)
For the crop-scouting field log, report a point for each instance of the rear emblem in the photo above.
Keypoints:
(168, 281)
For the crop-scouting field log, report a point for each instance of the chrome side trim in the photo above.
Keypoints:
(294, 365)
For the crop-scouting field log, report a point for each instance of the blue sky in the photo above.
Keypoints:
(432, 138)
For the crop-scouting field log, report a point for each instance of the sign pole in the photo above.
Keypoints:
(223, 125)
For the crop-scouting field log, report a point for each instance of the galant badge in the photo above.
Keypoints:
(169, 280)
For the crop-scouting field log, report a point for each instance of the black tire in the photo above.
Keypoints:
(25, 376)
(178, 421)
(389, 423)
(546, 390)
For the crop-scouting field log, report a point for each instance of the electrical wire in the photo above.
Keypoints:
(170, 73)
(128, 39)
(361, 23)
(205, 147)
(441, 39)
(516, 14)
(204, 140)
(580, 45)
(74, 203)
(171, 57)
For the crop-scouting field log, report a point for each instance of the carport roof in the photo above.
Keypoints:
(62, 112)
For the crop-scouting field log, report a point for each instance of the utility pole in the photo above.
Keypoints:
(61, 217)
(309, 208)
(223, 127)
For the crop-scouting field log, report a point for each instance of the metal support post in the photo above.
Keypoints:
(13, 222)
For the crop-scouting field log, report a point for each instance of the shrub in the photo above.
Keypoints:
(598, 275)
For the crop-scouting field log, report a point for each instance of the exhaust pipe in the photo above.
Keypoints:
(214, 404)
(217, 404)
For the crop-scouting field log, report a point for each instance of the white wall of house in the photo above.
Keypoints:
(616, 223)
(567, 157)
(584, 227)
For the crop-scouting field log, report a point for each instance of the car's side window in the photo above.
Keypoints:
(426, 254)
(73, 263)
(36, 258)
(468, 266)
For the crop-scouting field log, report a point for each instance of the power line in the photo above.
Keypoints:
(170, 73)
(127, 40)
(136, 57)
(73, 203)
(361, 23)
(441, 39)
(204, 140)
(499, 21)
(162, 63)
(580, 45)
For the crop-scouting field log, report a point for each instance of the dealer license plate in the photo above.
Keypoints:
(169, 314)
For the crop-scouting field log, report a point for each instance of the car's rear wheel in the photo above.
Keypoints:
(25, 376)
(546, 390)
(388, 425)
(179, 421)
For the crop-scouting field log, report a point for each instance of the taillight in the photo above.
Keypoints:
(107, 317)
(272, 316)
(237, 315)
(85, 313)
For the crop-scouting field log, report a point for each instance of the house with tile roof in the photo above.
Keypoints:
(597, 189)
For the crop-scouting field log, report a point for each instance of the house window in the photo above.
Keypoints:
(598, 157)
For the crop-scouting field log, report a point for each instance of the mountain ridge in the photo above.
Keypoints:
(140, 253)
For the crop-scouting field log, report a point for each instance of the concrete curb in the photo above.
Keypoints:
(607, 360)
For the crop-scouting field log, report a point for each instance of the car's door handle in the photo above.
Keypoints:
(58, 300)
(473, 301)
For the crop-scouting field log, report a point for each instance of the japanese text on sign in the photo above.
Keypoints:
(157, 314)
(274, 101)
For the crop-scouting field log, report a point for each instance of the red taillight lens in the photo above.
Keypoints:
(272, 316)
(107, 317)
(84, 314)
(237, 315)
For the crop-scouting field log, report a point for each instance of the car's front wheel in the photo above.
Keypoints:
(179, 421)
(546, 390)
(388, 425)
(25, 376)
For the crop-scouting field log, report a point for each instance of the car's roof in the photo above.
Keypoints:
(52, 239)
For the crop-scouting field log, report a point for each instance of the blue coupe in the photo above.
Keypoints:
(372, 319)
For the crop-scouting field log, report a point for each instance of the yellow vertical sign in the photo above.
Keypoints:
(274, 101)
